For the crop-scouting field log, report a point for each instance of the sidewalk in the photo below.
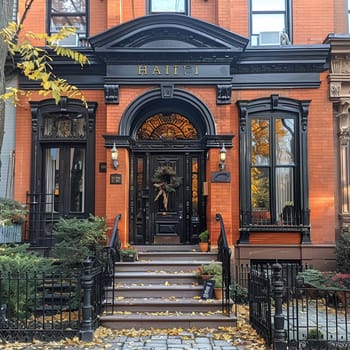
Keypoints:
(206, 339)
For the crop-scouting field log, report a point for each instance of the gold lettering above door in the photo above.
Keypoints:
(167, 70)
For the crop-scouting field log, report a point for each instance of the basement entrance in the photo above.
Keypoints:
(167, 205)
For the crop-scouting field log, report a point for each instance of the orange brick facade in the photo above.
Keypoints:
(311, 25)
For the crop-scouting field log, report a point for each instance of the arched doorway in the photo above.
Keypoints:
(167, 172)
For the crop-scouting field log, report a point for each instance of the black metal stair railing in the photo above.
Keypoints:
(112, 251)
(224, 255)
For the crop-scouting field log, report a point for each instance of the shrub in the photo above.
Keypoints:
(342, 251)
(238, 294)
(312, 278)
(12, 212)
(17, 267)
(314, 334)
(78, 239)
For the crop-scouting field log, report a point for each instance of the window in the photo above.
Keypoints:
(273, 153)
(62, 180)
(168, 6)
(72, 13)
(270, 22)
(272, 168)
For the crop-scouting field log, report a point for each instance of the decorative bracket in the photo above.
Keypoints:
(167, 91)
(111, 93)
(223, 94)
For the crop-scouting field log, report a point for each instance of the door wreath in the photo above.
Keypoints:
(165, 181)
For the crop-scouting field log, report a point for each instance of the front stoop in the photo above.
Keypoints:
(161, 290)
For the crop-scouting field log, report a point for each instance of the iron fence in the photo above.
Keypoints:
(50, 306)
(289, 315)
(317, 318)
(41, 306)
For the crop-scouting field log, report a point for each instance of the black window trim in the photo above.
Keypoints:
(288, 19)
(275, 103)
(86, 14)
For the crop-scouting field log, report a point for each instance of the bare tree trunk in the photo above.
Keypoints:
(6, 11)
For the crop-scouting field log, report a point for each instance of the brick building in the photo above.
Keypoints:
(172, 86)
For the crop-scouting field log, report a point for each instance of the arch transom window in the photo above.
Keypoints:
(167, 127)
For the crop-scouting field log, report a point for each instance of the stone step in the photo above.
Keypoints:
(162, 290)
(159, 266)
(170, 304)
(147, 291)
(164, 255)
(156, 277)
(147, 320)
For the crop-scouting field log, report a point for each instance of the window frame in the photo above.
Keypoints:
(81, 35)
(272, 107)
(186, 12)
(287, 19)
(270, 166)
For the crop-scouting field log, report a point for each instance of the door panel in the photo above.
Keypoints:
(167, 219)
(64, 180)
(183, 214)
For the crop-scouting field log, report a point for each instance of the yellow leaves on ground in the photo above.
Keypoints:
(241, 335)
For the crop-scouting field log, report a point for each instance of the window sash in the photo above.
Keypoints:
(71, 13)
(269, 16)
(272, 170)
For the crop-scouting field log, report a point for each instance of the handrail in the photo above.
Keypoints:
(115, 243)
(111, 252)
(224, 255)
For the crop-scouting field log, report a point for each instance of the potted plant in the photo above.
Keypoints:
(208, 271)
(128, 254)
(12, 215)
(204, 241)
(218, 286)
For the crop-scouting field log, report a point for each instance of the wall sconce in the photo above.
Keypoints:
(114, 155)
(222, 157)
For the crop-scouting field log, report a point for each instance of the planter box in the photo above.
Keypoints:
(128, 258)
(10, 233)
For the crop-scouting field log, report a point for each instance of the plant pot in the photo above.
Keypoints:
(206, 277)
(218, 293)
(128, 258)
(203, 246)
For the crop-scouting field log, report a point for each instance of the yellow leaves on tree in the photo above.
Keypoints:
(35, 62)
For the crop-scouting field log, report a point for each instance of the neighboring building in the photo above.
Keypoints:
(172, 84)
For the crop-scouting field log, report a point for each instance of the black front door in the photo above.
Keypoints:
(171, 205)
(167, 206)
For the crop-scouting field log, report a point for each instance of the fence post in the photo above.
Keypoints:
(87, 280)
(279, 338)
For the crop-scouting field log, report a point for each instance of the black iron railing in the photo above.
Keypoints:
(51, 306)
(289, 315)
(41, 306)
(259, 296)
(224, 255)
